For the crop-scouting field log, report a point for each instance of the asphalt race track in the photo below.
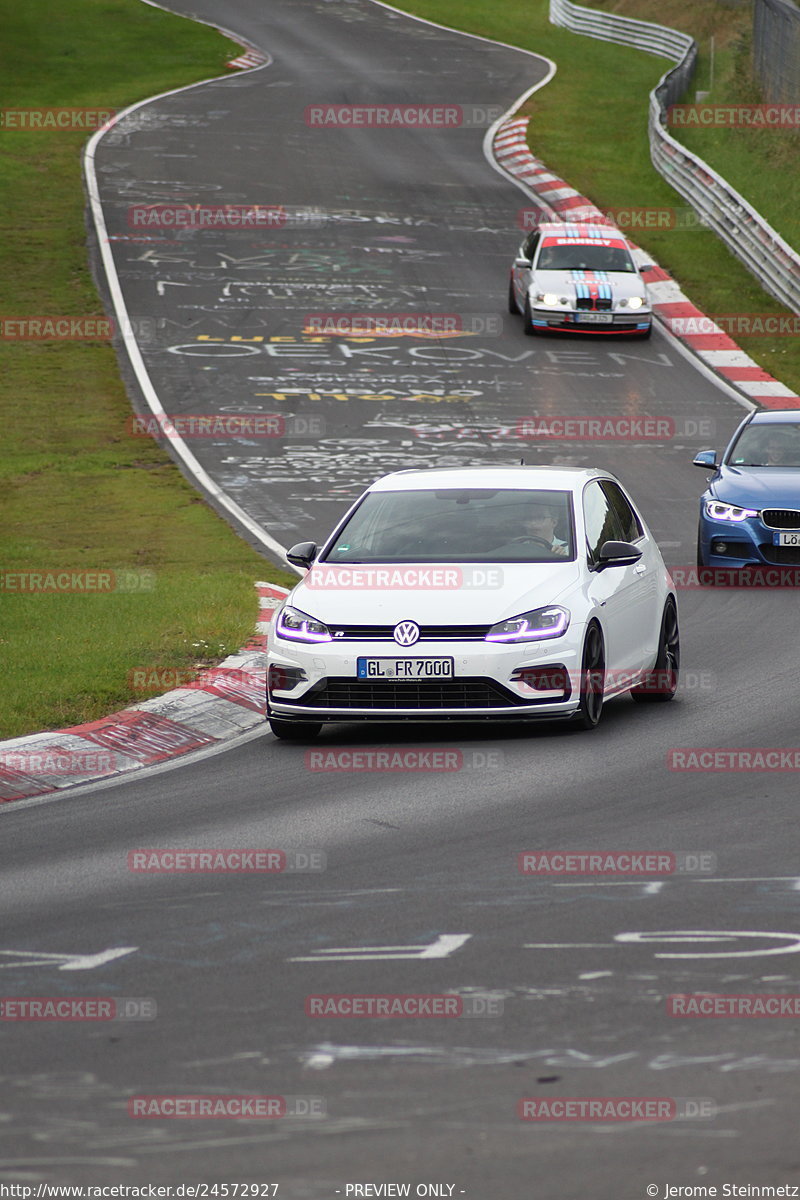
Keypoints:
(576, 970)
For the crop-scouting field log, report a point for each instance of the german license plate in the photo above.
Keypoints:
(786, 537)
(595, 318)
(405, 668)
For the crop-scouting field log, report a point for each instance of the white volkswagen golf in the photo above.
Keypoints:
(500, 593)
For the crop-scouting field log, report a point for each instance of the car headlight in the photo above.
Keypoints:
(297, 626)
(728, 512)
(635, 302)
(547, 298)
(531, 626)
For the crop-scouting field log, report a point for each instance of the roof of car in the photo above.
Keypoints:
(580, 231)
(513, 477)
(776, 416)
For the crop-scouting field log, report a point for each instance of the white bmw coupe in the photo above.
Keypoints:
(574, 278)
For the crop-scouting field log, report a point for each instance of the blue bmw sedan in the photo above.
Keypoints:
(750, 512)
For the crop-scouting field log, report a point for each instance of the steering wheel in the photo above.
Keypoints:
(531, 537)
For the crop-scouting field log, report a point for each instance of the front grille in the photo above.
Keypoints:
(602, 304)
(428, 633)
(781, 518)
(787, 556)
(347, 692)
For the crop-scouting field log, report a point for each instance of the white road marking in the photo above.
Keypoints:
(568, 945)
(693, 936)
(794, 880)
(87, 962)
(610, 883)
(444, 945)
(68, 962)
(705, 935)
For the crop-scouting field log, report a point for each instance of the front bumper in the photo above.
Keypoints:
(742, 544)
(571, 320)
(481, 687)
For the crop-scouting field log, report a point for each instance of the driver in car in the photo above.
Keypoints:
(539, 522)
(778, 452)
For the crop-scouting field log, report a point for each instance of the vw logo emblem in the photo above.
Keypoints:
(406, 633)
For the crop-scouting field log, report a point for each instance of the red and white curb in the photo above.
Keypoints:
(223, 702)
(675, 310)
(251, 58)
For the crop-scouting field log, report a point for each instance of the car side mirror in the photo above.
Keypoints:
(705, 458)
(646, 267)
(303, 554)
(519, 261)
(617, 554)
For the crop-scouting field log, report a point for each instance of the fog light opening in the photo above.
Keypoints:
(553, 679)
(283, 679)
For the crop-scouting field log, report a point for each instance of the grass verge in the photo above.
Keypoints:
(589, 125)
(78, 493)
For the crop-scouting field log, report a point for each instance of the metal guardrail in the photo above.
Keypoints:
(774, 263)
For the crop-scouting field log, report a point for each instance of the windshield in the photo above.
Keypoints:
(584, 257)
(773, 445)
(471, 525)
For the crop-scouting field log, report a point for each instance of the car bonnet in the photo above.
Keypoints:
(614, 285)
(431, 594)
(758, 487)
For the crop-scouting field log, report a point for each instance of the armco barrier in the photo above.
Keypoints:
(774, 263)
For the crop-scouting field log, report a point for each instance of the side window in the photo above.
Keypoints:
(629, 522)
(530, 244)
(602, 522)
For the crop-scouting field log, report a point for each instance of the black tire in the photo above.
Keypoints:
(293, 731)
(527, 317)
(592, 680)
(513, 307)
(700, 562)
(662, 682)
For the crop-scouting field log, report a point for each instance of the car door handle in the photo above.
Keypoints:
(639, 569)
